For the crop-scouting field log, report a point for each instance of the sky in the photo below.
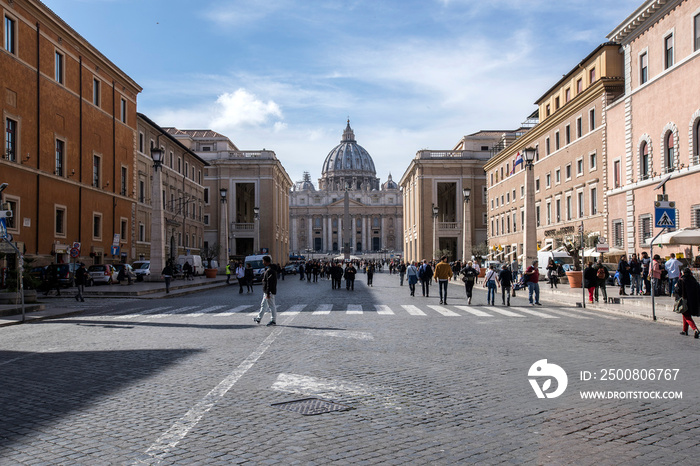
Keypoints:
(285, 75)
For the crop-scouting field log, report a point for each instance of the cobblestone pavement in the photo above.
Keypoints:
(191, 380)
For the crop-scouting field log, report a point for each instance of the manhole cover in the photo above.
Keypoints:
(311, 406)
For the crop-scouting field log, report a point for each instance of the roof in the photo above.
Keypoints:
(638, 18)
(173, 139)
(195, 133)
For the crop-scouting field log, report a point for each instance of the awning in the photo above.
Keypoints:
(689, 236)
(547, 247)
(510, 254)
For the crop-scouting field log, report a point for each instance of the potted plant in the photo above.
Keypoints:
(210, 253)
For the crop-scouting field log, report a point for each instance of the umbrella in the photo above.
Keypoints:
(690, 236)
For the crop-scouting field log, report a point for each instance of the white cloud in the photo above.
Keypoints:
(243, 108)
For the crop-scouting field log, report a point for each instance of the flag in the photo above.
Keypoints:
(518, 160)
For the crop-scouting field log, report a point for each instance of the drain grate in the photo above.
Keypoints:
(311, 406)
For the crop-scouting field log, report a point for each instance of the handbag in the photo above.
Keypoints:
(680, 306)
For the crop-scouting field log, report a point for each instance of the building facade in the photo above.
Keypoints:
(182, 193)
(254, 181)
(69, 142)
(570, 165)
(317, 215)
(654, 128)
(438, 179)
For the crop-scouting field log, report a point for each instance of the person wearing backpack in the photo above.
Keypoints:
(412, 274)
(469, 275)
(491, 282)
(602, 275)
(425, 275)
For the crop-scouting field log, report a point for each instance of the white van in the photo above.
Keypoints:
(195, 262)
(558, 256)
(256, 262)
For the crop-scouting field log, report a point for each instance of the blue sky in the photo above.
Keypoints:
(284, 75)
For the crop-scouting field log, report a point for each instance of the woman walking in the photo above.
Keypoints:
(552, 273)
(412, 274)
(469, 274)
(623, 269)
(590, 280)
(689, 289)
(491, 282)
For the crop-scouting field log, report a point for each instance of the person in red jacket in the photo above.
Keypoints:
(533, 283)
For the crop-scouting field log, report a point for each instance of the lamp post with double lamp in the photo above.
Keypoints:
(223, 230)
(157, 257)
(530, 227)
(466, 227)
(256, 215)
(435, 244)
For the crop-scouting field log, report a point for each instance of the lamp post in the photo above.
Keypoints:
(157, 257)
(435, 216)
(530, 227)
(466, 227)
(223, 230)
(256, 215)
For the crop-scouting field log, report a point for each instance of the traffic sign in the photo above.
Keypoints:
(114, 250)
(74, 252)
(3, 228)
(665, 214)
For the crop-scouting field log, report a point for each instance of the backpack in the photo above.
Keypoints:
(600, 273)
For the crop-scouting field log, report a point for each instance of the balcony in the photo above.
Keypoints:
(450, 226)
(242, 226)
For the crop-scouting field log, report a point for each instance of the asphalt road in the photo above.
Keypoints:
(192, 380)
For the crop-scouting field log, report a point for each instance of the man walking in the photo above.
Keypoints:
(269, 282)
(673, 267)
(412, 273)
(443, 273)
(505, 277)
(402, 272)
(425, 274)
(228, 273)
(533, 283)
(240, 275)
(80, 279)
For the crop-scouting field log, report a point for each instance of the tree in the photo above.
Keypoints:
(211, 252)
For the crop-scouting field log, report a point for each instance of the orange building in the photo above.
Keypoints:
(69, 142)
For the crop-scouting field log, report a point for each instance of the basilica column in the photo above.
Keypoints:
(310, 236)
(340, 233)
(383, 232)
(329, 244)
(364, 233)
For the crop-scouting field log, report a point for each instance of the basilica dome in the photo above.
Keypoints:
(348, 163)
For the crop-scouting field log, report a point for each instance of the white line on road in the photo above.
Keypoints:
(206, 310)
(413, 310)
(179, 310)
(234, 310)
(473, 311)
(141, 314)
(354, 309)
(535, 313)
(294, 310)
(444, 311)
(323, 309)
(341, 334)
(504, 312)
(178, 431)
(383, 309)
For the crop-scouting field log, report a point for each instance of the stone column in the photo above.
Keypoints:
(364, 233)
(310, 238)
(223, 234)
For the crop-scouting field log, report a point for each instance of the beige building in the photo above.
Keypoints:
(654, 128)
(570, 165)
(252, 180)
(318, 215)
(438, 179)
(182, 189)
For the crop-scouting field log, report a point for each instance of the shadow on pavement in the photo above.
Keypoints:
(123, 324)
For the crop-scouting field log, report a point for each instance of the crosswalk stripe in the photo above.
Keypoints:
(413, 310)
(473, 311)
(323, 309)
(504, 312)
(566, 314)
(142, 313)
(383, 309)
(234, 310)
(535, 313)
(294, 310)
(444, 311)
(354, 309)
(181, 310)
(206, 310)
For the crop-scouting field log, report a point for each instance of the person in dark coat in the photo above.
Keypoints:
(336, 275)
(623, 268)
(269, 284)
(469, 278)
(80, 281)
(248, 277)
(350, 272)
(689, 289)
(602, 275)
(505, 277)
(370, 273)
(590, 280)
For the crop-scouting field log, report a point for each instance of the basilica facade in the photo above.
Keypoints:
(375, 209)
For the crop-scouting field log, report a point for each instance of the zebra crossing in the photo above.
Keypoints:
(325, 309)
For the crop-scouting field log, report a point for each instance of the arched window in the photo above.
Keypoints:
(670, 152)
(644, 162)
(696, 142)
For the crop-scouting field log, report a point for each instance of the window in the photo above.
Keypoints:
(522, 191)
(123, 229)
(123, 185)
(644, 162)
(206, 195)
(546, 146)
(141, 143)
(556, 103)
(568, 172)
(142, 191)
(616, 174)
(12, 205)
(97, 226)
(696, 142)
(549, 110)
(549, 213)
(556, 140)
(58, 67)
(644, 228)
(591, 119)
(537, 184)
(96, 97)
(696, 32)
(558, 210)
(643, 68)
(670, 152)
(579, 167)
(60, 154)
(10, 35)
(591, 75)
(537, 215)
(557, 176)
(508, 197)
(594, 201)
(496, 201)
(96, 171)
(668, 49)
(122, 108)
(579, 127)
(548, 180)
(515, 225)
(569, 208)
(580, 205)
(567, 135)
(142, 232)
(171, 159)
(179, 165)
(11, 140)
(187, 168)
(592, 161)
(60, 221)
(579, 86)
(567, 95)
(695, 216)
(617, 233)
(206, 219)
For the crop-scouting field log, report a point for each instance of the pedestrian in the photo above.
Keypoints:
(425, 274)
(80, 280)
(167, 274)
(301, 271)
(316, 270)
(590, 280)
(269, 283)
(514, 269)
(249, 277)
(186, 269)
(123, 274)
(469, 274)
(688, 289)
(477, 266)
(456, 267)
(673, 267)
(240, 276)
(552, 273)
(533, 283)
(443, 273)
(308, 268)
(656, 275)
(228, 273)
(635, 276)
(623, 270)
(402, 272)
(370, 273)
(336, 275)
(53, 280)
(350, 272)
(646, 263)
(412, 273)
(602, 276)
(505, 277)
(491, 283)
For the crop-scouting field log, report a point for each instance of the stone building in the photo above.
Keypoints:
(376, 213)
(438, 179)
(654, 127)
(69, 143)
(253, 216)
(182, 189)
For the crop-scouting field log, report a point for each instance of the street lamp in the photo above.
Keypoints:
(466, 230)
(157, 156)
(530, 227)
(223, 192)
(435, 216)
(256, 215)
(157, 253)
(223, 230)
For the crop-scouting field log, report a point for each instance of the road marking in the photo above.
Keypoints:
(354, 309)
(473, 311)
(444, 311)
(178, 310)
(566, 314)
(234, 310)
(383, 309)
(169, 440)
(535, 313)
(141, 314)
(413, 310)
(294, 310)
(204, 311)
(504, 312)
(341, 334)
(323, 309)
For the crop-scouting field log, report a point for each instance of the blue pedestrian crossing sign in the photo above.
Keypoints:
(665, 215)
(3, 228)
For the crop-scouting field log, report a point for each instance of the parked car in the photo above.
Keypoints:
(128, 271)
(102, 273)
(64, 273)
(291, 269)
(141, 269)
